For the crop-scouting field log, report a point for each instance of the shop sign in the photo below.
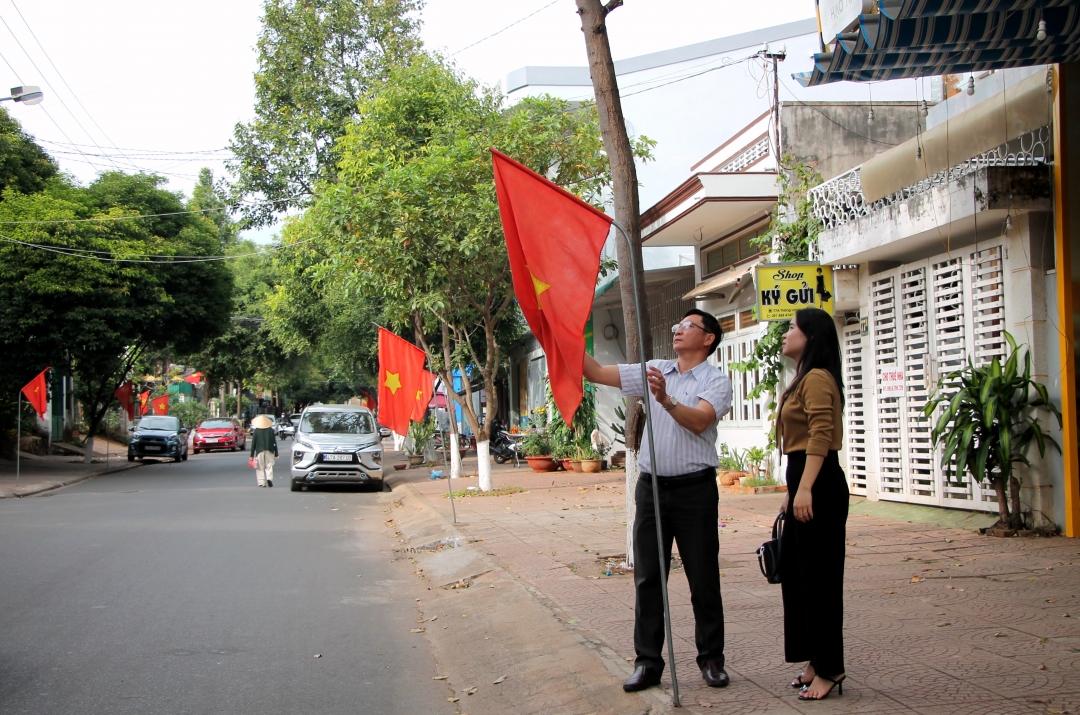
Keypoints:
(784, 288)
(836, 16)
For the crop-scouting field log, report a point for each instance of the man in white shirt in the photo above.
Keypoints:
(688, 397)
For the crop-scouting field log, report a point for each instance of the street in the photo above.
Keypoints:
(184, 588)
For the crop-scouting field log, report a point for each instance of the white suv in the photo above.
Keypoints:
(336, 444)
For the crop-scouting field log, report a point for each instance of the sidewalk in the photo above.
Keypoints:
(43, 473)
(938, 620)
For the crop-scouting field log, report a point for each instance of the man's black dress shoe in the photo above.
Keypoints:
(643, 677)
(714, 674)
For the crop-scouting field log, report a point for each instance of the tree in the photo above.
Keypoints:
(211, 198)
(93, 295)
(413, 219)
(627, 207)
(317, 60)
(24, 165)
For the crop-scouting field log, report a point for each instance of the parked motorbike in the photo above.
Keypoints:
(501, 446)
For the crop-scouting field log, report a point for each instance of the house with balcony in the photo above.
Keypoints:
(959, 234)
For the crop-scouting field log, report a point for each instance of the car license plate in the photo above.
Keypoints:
(152, 448)
(211, 439)
(337, 457)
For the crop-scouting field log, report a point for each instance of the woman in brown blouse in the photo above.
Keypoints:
(809, 431)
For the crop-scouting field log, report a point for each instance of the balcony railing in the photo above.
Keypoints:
(840, 200)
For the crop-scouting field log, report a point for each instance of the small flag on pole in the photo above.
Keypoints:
(554, 241)
(161, 405)
(423, 395)
(37, 394)
(124, 395)
(400, 365)
(144, 402)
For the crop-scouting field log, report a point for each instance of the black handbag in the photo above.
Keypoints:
(768, 555)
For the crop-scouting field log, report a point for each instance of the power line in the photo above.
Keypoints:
(516, 22)
(138, 216)
(52, 89)
(107, 256)
(61, 76)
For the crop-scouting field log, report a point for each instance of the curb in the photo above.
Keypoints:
(66, 483)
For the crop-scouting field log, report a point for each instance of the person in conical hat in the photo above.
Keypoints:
(263, 449)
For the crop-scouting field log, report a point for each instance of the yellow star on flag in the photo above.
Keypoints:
(393, 381)
(539, 286)
(419, 395)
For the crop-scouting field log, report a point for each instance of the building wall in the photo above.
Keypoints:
(835, 137)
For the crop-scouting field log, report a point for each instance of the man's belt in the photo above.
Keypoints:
(699, 476)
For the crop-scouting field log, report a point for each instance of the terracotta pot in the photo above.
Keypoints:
(564, 464)
(590, 466)
(726, 477)
(542, 463)
(575, 465)
(415, 460)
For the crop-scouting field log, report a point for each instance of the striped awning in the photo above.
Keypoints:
(918, 38)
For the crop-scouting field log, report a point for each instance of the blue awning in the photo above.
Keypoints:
(918, 38)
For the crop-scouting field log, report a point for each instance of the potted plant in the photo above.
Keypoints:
(587, 457)
(755, 456)
(536, 446)
(988, 421)
(730, 466)
(420, 434)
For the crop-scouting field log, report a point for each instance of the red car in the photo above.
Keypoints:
(219, 433)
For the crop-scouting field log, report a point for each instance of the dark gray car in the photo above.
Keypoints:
(158, 436)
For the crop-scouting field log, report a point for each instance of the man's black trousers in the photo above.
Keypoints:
(688, 512)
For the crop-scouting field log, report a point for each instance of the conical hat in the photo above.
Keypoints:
(262, 422)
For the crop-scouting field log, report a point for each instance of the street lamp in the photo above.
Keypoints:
(27, 95)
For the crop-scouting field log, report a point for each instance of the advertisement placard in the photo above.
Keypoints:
(784, 288)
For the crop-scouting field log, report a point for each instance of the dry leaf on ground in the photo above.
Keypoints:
(417, 630)
(440, 677)
(501, 678)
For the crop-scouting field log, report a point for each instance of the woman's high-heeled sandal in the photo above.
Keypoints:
(838, 682)
(798, 682)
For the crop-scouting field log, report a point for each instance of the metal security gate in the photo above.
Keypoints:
(927, 318)
(855, 411)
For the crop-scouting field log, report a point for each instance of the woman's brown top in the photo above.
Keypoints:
(811, 417)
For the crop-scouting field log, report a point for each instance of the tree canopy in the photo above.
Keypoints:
(317, 60)
(85, 286)
(413, 220)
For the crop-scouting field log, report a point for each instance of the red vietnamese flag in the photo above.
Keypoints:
(554, 241)
(161, 405)
(194, 378)
(400, 366)
(144, 402)
(124, 397)
(37, 394)
(423, 395)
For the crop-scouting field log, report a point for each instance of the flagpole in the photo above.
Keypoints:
(18, 440)
(652, 460)
(445, 446)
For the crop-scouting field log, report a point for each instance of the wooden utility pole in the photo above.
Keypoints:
(624, 188)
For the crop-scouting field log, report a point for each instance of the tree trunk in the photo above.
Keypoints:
(221, 411)
(632, 472)
(1016, 518)
(1003, 503)
(624, 189)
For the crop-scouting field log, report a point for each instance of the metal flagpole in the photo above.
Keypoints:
(18, 440)
(652, 459)
(445, 446)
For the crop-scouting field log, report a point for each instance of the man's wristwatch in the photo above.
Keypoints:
(672, 403)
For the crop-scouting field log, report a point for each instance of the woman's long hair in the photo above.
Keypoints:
(822, 349)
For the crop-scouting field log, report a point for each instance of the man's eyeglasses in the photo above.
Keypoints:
(686, 325)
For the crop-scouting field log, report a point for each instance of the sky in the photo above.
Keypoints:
(159, 86)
